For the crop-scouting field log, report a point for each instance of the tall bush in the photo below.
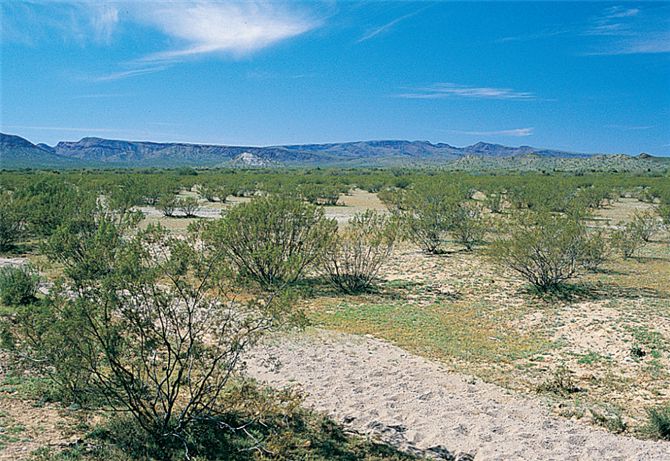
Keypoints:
(545, 249)
(272, 239)
(359, 251)
(154, 331)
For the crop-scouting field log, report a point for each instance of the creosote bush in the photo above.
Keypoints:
(594, 250)
(144, 321)
(545, 249)
(427, 214)
(188, 206)
(272, 239)
(11, 225)
(658, 424)
(469, 225)
(628, 239)
(167, 204)
(356, 255)
(18, 285)
(645, 224)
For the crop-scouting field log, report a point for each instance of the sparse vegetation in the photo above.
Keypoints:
(102, 260)
(658, 425)
(545, 249)
(272, 239)
(356, 255)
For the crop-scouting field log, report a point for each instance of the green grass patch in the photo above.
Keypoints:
(443, 331)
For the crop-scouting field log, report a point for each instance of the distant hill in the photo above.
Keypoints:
(16, 152)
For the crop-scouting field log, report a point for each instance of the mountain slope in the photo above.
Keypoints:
(16, 152)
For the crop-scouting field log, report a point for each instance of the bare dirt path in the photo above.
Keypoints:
(377, 388)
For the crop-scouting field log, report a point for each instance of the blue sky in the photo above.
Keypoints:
(591, 77)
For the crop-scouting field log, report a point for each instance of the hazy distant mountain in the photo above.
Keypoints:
(16, 152)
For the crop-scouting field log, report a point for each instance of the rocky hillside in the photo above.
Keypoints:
(16, 152)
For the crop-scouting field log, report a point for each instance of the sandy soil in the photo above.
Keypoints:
(377, 388)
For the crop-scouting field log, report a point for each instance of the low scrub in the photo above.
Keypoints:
(11, 223)
(18, 285)
(273, 239)
(355, 257)
(545, 249)
(468, 225)
(628, 239)
(658, 422)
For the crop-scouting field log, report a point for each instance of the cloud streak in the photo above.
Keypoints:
(453, 90)
(388, 26)
(516, 132)
(234, 28)
(128, 73)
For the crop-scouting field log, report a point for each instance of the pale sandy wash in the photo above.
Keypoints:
(379, 389)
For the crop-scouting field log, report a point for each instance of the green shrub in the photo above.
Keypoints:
(468, 225)
(627, 239)
(11, 221)
(494, 202)
(560, 383)
(273, 239)
(356, 255)
(18, 285)
(427, 213)
(645, 225)
(544, 248)
(188, 206)
(594, 251)
(658, 424)
(167, 204)
(664, 213)
(147, 330)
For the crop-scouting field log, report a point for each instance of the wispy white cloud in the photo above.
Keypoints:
(651, 43)
(104, 20)
(62, 128)
(623, 30)
(388, 26)
(516, 132)
(450, 90)
(192, 28)
(235, 28)
(631, 127)
(128, 73)
(616, 30)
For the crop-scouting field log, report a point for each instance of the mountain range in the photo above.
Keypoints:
(17, 152)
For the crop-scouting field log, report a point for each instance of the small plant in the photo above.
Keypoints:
(594, 251)
(664, 213)
(560, 383)
(427, 214)
(10, 221)
(658, 422)
(188, 206)
(167, 204)
(18, 285)
(355, 257)
(627, 240)
(494, 202)
(469, 225)
(610, 418)
(645, 225)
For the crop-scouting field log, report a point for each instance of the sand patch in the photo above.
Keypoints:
(379, 389)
